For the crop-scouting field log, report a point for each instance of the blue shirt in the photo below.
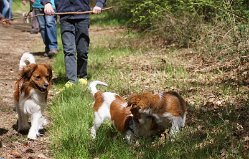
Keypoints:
(38, 4)
(74, 6)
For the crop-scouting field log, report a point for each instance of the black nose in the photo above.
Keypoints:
(46, 85)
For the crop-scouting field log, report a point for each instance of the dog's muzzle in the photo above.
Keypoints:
(42, 88)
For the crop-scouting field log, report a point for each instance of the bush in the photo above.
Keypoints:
(183, 21)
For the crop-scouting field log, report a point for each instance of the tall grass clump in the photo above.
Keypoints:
(205, 24)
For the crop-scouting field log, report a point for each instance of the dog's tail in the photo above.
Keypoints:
(26, 59)
(93, 84)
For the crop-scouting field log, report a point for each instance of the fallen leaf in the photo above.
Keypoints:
(42, 156)
(246, 138)
(16, 154)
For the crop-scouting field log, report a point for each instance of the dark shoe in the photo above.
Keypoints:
(52, 52)
(46, 52)
(34, 31)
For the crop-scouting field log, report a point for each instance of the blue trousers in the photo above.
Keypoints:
(48, 31)
(75, 40)
(7, 9)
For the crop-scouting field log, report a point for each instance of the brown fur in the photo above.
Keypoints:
(33, 76)
(119, 114)
(98, 101)
(170, 102)
(146, 105)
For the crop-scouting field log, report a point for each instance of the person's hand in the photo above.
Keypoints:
(97, 10)
(24, 2)
(48, 9)
(32, 1)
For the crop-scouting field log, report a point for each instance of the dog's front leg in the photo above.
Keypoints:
(22, 122)
(35, 125)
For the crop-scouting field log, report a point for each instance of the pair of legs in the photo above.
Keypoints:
(75, 40)
(7, 9)
(177, 122)
(48, 30)
(37, 123)
(34, 22)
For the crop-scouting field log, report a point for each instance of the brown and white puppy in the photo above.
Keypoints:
(111, 106)
(31, 91)
(158, 109)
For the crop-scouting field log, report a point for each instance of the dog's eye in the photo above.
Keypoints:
(37, 77)
(47, 77)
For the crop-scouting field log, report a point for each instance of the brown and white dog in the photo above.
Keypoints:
(111, 106)
(158, 109)
(31, 91)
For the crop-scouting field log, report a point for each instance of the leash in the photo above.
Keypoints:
(66, 13)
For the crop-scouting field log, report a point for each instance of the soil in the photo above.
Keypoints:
(14, 41)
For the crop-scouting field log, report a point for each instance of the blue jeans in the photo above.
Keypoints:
(7, 9)
(48, 31)
(75, 40)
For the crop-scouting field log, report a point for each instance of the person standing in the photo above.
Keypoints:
(74, 35)
(1, 8)
(34, 21)
(47, 25)
(7, 12)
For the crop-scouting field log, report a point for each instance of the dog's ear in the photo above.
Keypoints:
(127, 111)
(143, 103)
(135, 112)
(27, 71)
(133, 99)
(49, 67)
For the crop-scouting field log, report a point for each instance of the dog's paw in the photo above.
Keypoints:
(93, 133)
(32, 136)
(44, 121)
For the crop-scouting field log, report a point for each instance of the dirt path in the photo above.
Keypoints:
(14, 41)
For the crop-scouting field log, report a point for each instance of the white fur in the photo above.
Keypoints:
(32, 105)
(93, 84)
(103, 112)
(177, 121)
(27, 58)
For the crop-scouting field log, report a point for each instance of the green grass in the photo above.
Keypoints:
(210, 132)
(18, 7)
(104, 19)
